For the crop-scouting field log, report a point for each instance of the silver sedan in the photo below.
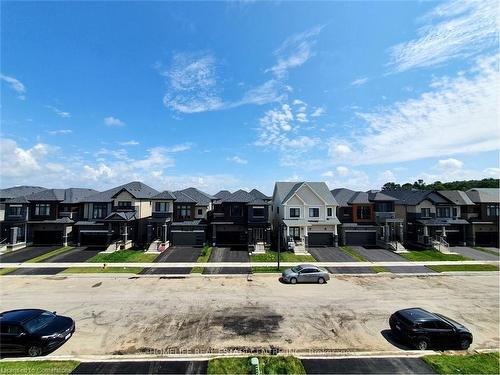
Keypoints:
(305, 273)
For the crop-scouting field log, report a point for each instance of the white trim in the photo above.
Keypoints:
(301, 216)
(314, 217)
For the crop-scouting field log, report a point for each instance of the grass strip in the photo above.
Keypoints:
(431, 255)
(360, 258)
(203, 258)
(123, 256)
(481, 363)
(260, 269)
(464, 267)
(38, 367)
(5, 271)
(492, 252)
(103, 270)
(50, 254)
(285, 256)
(267, 364)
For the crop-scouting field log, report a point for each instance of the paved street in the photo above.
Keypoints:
(334, 254)
(382, 255)
(367, 366)
(471, 253)
(133, 316)
(227, 254)
(175, 254)
(142, 367)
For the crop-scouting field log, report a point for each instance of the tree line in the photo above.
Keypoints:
(438, 185)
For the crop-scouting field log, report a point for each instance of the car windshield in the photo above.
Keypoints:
(296, 269)
(39, 322)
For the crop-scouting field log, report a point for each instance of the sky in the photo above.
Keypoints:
(229, 95)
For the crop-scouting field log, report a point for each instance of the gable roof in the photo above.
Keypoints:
(259, 195)
(413, 197)
(19, 191)
(222, 194)
(242, 196)
(457, 196)
(67, 196)
(200, 197)
(164, 195)
(137, 189)
(343, 196)
(285, 190)
(484, 195)
(181, 197)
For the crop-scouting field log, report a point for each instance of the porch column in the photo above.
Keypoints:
(426, 235)
(401, 233)
(335, 236)
(109, 234)
(65, 236)
(443, 233)
(473, 235)
(13, 235)
(149, 233)
(214, 235)
(306, 237)
(386, 232)
(164, 239)
(125, 233)
(464, 238)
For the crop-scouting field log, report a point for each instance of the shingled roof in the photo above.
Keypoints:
(284, 190)
(164, 195)
(457, 196)
(19, 191)
(201, 198)
(413, 197)
(484, 195)
(137, 189)
(67, 196)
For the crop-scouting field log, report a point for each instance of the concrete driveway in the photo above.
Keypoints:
(395, 365)
(334, 254)
(383, 255)
(30, 252)
(471, 253)
(228, 254)
(175, 254)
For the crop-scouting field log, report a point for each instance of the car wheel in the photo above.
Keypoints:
(293, 280)
(464, 343)
(321, 280)
(422, 345)
(34, 351)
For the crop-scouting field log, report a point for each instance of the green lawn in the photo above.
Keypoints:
(430, 255)
(103, 270)
(5, 271)
(51, 254)
(268, 365)
(464, 267)
(273, 269)
(483, 363)
(354, 254)
(285, 256)
(123, 256)
(492, 252)
(203, 258)
(38, 367)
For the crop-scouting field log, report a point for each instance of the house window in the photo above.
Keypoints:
(329, 211)
(15, 210)
(492, 210)
(99, 210)
(294, 212)
(425, 212)
(385, 207)
(443, 212)
(277, 210)
(42, 209)
(258, 234)
(294, 232)
(184, 212)
(364, 212)
(455, 211)
(200, 211)
(236, 210)
(314, 212)
(258, 212)
(161, 206)
(124, 204)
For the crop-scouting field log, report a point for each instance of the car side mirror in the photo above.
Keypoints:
(21, 334)
(54, 312)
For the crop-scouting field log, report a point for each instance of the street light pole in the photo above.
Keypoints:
(279, 244)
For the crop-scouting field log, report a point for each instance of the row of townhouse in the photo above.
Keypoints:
(306, 214)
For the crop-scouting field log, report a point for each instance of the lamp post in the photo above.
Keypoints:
(279, 244)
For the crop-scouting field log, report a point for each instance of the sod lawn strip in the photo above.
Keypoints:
(272, 269)
(50, 254)
(353, 254)
(431, 255)
(5, 271)
(203, 258)
(134, 270)
(285, 256)
(481, 363)
(267, 365)
(464, 267)
(123, 256)
(38, 367)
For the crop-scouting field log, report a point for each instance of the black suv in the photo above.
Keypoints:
(424, 329)
(33, 331)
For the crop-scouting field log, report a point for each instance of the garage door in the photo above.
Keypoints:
(50, 237)
(360, 238)
(487, 239)
(93, 239)
(320, 239)
(188, 238)
(231, 238)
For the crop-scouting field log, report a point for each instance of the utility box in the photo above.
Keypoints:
(254, 361)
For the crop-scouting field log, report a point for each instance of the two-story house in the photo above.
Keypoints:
(368, 219)
(241, 219)
(158, 227)
(484, 218)
(117, 217)
(305, 213)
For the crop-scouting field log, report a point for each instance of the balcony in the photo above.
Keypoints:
(69, 214)
(162, 214)
(381, 217)
(22, 216)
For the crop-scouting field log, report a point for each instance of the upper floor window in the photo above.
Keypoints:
(200, 211)
(364, 212)
(443, 212)
(277, 210)
(184, 212)
(455, 211)
(313, 212)
(99, 210)
(42, 209)
(162, 206)
(236, 210)
(15, 210)
(492, 210)
(295, 212)
(258, 212)
(329, 211)
(425, 212)
(384, 207)
(124, 204)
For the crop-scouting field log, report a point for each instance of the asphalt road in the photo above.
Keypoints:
(397, 365)
(349, 313)
(382, 255)
(227, 254)
(173, 255)
(334, 254)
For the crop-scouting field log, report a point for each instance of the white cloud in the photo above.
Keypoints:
(342, 171)
(386, 176)
(339, 149)
(359, 81)
(179, 148)
(456, 115)
(113, 121)
(237, 160)
(301, 117)
(450, 164)
(16, 161)
(451, 30)
(58, 112)
(129, 143)
(60, 132)
(327, 174)
(349, 178)
(15, 85)
(319, 111)
(492, 171)
(269, 92)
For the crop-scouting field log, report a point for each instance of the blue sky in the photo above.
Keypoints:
(243, 94)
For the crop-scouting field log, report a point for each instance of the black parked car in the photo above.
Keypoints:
(33, 331)
(424, 329)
